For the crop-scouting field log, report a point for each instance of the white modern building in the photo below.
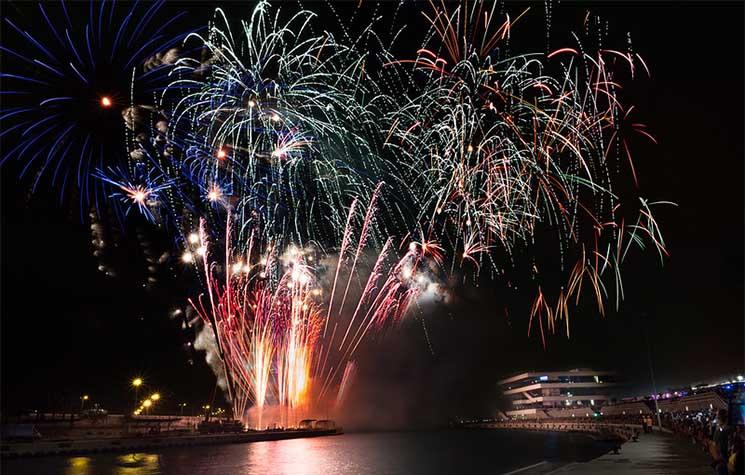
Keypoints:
(553, 393)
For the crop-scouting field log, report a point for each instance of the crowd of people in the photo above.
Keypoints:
(710, 430)
(713, 432)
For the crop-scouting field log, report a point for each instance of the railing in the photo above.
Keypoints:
(622, 431)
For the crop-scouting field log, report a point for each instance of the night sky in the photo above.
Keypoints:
(68, 330)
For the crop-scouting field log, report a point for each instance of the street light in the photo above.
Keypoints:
(182, 406)
(136, 383)
(83, 398)
(154, 397)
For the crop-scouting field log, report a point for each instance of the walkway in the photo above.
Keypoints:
(654, 454)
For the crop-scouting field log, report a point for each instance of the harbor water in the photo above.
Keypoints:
(433, 452)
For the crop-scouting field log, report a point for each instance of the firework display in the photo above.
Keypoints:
(320, 190)
(64, 96)
(289, 344)
(499, 151)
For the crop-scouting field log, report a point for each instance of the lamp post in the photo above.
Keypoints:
(651, 373)
(155, 397)
(83, 398)
(136, 383)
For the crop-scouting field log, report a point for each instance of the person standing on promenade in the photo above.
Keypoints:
(719, 444)
(736, 464)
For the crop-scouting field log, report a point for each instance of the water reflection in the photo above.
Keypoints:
(322, 455)
(137, 464)
(409, 453)
(79, 466)
(297, 456)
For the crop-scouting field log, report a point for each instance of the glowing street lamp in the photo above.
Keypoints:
(136, 383)
(83, 398)
(155, 396)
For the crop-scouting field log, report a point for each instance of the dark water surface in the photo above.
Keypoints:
(436, 452)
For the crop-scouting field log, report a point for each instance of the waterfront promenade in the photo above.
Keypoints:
(653, 454)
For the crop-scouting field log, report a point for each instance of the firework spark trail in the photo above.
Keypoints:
(361, 242)
(342, 252)
(350, 370)
(372, 279)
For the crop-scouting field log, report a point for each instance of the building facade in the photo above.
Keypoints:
(552, 393)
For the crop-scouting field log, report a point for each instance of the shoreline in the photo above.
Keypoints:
(51, 448)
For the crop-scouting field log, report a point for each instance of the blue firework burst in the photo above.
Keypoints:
(69, 82)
